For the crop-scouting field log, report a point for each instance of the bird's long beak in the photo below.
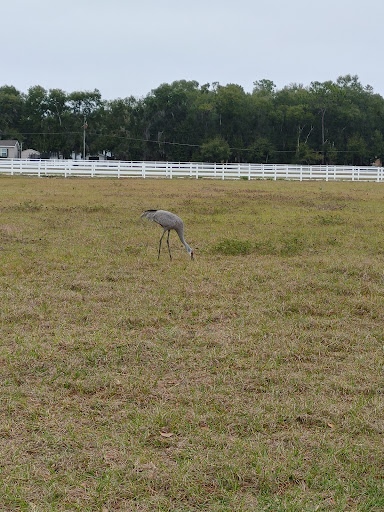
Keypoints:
(192, 258)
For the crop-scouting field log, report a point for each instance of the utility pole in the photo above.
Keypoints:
(84, 128)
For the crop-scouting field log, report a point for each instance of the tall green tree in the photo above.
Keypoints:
(168, 123)
(11, 110)
(84, 107)
(35, 114)
(215, 150)
(120, 129)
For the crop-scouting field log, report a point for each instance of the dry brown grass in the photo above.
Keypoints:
(248, 379)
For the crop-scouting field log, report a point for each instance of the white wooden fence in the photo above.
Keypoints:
(121, 169)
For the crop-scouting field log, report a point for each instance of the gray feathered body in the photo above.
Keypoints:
(168, 221)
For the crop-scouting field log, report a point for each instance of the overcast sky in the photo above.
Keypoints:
(129, 47)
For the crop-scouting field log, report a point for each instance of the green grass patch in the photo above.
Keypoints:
(233, 247)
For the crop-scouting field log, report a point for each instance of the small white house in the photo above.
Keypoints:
(10, 149)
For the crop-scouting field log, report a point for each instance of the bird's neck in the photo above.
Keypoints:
(181, 236)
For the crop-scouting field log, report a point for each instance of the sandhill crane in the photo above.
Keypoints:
(168, 221)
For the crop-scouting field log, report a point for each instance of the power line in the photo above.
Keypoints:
(169, 143)
(114, 136)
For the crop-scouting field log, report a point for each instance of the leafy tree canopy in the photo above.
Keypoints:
(338, 122)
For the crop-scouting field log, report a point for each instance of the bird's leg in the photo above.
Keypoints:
(158, 257)
(169, 249)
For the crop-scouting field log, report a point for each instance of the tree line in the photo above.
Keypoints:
(332, 122)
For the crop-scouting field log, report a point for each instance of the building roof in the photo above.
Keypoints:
(8, 143)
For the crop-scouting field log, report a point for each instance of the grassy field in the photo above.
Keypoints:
(249, 379)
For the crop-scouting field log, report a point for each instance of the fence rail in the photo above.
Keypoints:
(123, 169)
